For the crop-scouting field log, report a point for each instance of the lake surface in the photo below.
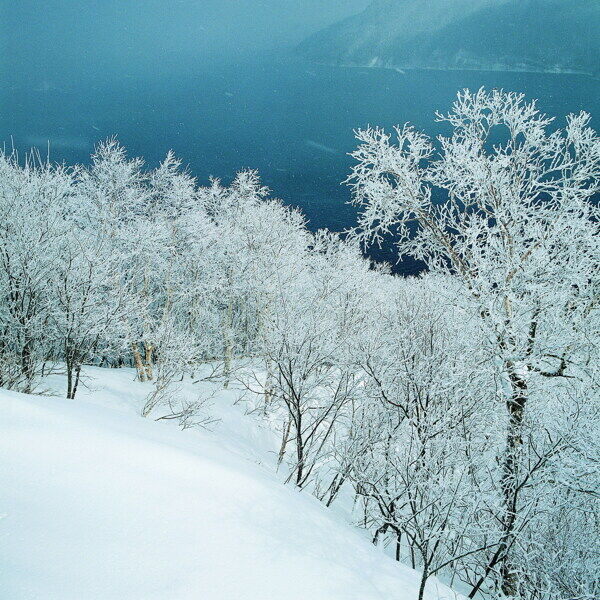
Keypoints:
(293, 122)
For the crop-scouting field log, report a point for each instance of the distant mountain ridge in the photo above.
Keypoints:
(502, 35)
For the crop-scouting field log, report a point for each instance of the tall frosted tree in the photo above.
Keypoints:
(505, 205)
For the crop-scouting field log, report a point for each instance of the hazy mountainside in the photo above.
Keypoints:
(507, 35)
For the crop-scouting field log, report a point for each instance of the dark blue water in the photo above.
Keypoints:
(292, 122)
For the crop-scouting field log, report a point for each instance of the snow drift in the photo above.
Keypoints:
(96, 502)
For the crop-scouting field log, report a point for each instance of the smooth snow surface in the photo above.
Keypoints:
(98, 503)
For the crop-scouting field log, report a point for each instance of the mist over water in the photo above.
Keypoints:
(221, 87)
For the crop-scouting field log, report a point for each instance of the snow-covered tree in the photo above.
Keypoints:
(34, 199)
(258, 245)
(419, 441)
(307, 347)
(517, 227)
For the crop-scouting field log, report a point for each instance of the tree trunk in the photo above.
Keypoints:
(510, 476)
(268, 389)
(73, 366)
(334, 488)
(149, 362)
(284, 441)
(76, 383)
(27, 367)
(227, 344)
(424, 578)
(69, 365)
(299, 449)
(137, 361)
(300, 468)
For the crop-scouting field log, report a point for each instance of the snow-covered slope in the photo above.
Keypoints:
(502, 35)
(96, 502)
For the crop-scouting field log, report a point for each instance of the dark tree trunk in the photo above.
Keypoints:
(27, 362)
(76, 382)
(424, 578)
(69, 376)
(510, 480)
(299, 452)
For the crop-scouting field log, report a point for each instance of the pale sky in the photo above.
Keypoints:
(68, 36)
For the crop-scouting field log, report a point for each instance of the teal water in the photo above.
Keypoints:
(293, 122)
